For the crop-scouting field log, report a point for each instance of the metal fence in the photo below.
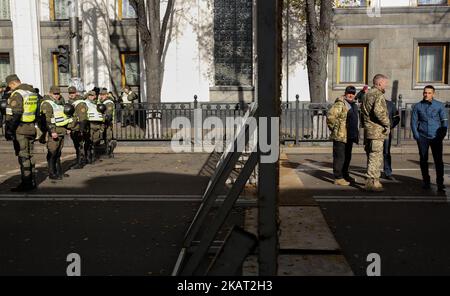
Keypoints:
(300, 121)
(306, 122)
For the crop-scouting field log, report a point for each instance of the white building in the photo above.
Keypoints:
(209, 55)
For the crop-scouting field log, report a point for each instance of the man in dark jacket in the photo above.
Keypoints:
(394, 119)
(342, 120)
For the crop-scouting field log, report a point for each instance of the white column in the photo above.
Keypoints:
(44, 10)
(96, 57)
(27, 42)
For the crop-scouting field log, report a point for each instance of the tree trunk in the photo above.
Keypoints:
(153, 75)
(316, 62)
(154, 39)
(317, 43)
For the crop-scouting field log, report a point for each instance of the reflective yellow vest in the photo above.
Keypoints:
(30, 104)
(93, 114)
(59, 118)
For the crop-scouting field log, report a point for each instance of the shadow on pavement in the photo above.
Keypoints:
(112, 237)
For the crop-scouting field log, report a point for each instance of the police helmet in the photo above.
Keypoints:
(69, 109)
(101, 108)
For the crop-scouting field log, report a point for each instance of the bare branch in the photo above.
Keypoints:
(326, 15)
(167, 14)
(311, 16)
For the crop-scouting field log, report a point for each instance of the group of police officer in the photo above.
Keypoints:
(30, 117)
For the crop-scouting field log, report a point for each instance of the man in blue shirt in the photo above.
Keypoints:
(429, 125)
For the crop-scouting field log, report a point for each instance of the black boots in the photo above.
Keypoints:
(28, 181)
(79, 164)
(59, 171)
(52, 174)
(110, 146)
(55, 171)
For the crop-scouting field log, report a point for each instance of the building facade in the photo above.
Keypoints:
(209, 52)
(408, 40)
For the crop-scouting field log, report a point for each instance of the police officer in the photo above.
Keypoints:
(21, 110)
(73, 95)
(376, 129)
(79, 128)
(429, 124)
(95, 119)
(128, 98)
(110, 143)
(2, 91)
(56, 124)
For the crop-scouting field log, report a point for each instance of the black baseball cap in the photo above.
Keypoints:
(350, 90)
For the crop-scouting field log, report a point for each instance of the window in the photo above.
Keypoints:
(60, 79)
(233, 43)
(5, 65)
(5, 11)
(352, 63)
(59, 9)
(432, 62)
(125, 10)
(130, 68)
(432, 2)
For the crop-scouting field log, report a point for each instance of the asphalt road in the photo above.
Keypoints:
(123, 216)
(406, 225)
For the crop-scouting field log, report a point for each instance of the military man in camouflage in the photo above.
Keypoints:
(110, 143)
(127, 100)
(56, 125)
(21, 115)
(342, 120)
(79, 128)
(376, 129)
(95, 118)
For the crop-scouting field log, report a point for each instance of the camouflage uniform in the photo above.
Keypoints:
(23, 135)
(376, 130)
(95, 129)
(128, 101)
(54, 145)
(71, 101)
(337, 121)
(79, 131)
(108, 135)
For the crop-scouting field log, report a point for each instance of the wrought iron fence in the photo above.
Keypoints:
(300, 121)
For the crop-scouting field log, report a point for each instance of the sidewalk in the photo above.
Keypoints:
(164, 147)
(307, 246)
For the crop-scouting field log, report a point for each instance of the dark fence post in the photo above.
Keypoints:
(297, 120)
(195, 102)
(399, 126)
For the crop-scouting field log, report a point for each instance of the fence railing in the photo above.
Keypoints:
(300, 121)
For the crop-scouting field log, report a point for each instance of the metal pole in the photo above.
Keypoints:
(287, 51)
(269, 51)
(399, 126)
(297, 120)
(74, 39)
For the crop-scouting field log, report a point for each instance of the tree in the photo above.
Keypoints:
(318, 30)
(154, 36)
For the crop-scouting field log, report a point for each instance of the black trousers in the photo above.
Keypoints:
(436, 149)
(342, 155)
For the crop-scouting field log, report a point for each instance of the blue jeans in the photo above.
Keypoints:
(436, 149)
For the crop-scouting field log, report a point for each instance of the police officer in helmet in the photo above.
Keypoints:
(21, 110)
(57, 122)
